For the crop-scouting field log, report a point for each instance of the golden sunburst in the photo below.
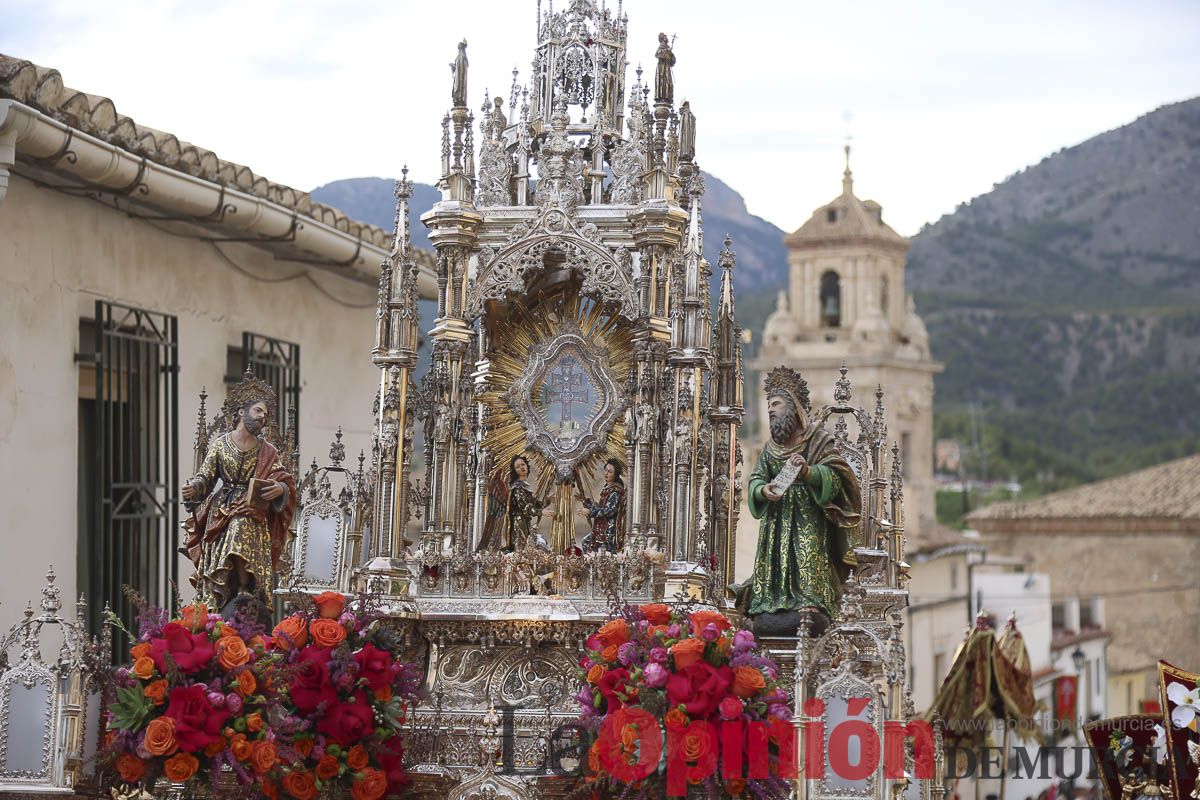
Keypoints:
(513, 338)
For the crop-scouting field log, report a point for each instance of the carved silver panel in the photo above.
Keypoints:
(850, 699)
(319, 545)
(606, 273)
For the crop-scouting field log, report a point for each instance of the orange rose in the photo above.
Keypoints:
(370, 786)
(330, 604)
(246, 684)
(676, 718)
(130, 768)
(232, 652)
(594, 758)
(241, 747)
(156, 691)
(695, 746)
(687, 652)
(258, 643)
(723, 644)
(303, 746)
(383, 694)
(214, 747)
(629, 736)
(610, 653)
(254, 722)
(613, 633)
(264, 757)
(292, 632)
(160, 736)
(700, 619)
(143, 668)
(300, 784)
(595, 674)
(139, 651)
(747, 682)
(654, 630)
(357, 759)
(735, 786)
(327, 632)
(180, 767)
(327, 768)
(656, 613)
(194, 616)
(228, 630)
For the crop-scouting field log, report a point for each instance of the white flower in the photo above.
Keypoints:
(1187, 704)
(1160, 744)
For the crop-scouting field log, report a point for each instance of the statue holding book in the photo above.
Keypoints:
(245, 499)
(807, 500)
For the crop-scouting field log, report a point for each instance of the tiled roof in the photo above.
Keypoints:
(1169, 491)
(852, 220)
(42, 88)
(934, 536)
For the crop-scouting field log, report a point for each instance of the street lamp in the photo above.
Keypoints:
(1077, 658)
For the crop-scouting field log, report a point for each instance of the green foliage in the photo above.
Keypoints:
(130, 709)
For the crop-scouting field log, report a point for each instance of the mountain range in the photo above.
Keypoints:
(1064, 303)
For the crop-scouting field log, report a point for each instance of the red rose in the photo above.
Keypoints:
(348, 722)
(191, 652)
(311, 685)
(699, 687)
(612, 682)
(197, 723)
(375, 666)
(391, 758)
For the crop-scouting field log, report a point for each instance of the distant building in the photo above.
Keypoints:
(953, 578)
(1122, 557)
(846, 302)
(135, 269)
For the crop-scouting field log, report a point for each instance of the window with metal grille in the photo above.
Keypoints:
(128, 461)
(278, 363)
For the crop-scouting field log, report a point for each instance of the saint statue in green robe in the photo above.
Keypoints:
(807, 530)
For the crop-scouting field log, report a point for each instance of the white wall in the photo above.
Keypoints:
(58, 254)
(1026, 593)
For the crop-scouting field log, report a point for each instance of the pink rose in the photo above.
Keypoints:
(656, 674)
(730, 708)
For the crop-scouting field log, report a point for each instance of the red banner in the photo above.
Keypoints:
(1066, 692)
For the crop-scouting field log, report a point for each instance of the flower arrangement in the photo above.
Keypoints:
(348, 691)
(197, 694)
(316, 707)
(658, 672)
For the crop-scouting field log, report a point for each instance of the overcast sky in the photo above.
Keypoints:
(942, 99)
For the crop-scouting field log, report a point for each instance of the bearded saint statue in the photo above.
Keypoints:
(806, 529)
(237, 535)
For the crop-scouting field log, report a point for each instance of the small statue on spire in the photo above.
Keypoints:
(664, 82)
(459, 69)
(687, 133)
